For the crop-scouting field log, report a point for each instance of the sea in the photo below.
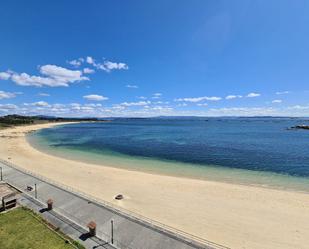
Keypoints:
(258, 151)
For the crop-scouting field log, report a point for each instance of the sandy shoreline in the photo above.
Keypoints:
(236, 216)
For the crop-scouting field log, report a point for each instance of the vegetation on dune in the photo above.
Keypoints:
(16, 120)
(11, 120)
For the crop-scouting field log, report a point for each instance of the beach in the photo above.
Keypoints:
(236, 216)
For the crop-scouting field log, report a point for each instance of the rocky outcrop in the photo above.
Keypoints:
(304, 127)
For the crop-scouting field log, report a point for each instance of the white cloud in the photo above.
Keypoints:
(95, 97)
(182, 104)
(25, 79)
(76, 63)
(118, 107)
(284, 92)
(213, 98)
(131, 86)
(58, 106)
(298, 107)
(93, 105)
(198, 99)
(89, 60)
(243, 111)
(74, 104)
(203, 104)
(253, 95)
(233, 96)
(62, 74)
(7, 95)
(4, 75)
(114, 65)
(8, 107)
(277, 101)
(108, 66)
(146, 109)
(88, 70)
(87, 108)
(156, 95)
(162, 108)
(141, 97)
(44, 94)
(139, 103)
(39, 103)
(160, 102)
(54, 76)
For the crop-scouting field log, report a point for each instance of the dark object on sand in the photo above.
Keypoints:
(119, 197)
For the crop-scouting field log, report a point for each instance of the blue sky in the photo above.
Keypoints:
(149, 58)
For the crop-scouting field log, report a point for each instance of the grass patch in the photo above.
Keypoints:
(22, 229)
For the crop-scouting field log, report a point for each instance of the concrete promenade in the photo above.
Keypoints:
(120, 228)
(65, 225)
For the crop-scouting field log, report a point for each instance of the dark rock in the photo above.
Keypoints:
(303, 127)
(119, 197)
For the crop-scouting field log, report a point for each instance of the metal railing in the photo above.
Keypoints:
(171, 231)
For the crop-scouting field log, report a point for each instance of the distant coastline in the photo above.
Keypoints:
(16, 120)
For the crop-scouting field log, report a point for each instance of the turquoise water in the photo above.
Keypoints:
(257, 151)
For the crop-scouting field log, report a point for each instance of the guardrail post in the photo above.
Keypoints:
(35, 192)
(112, 231)
(1, 175)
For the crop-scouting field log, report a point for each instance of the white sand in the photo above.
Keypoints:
(233, 215)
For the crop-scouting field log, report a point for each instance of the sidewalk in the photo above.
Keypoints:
(66, 226)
